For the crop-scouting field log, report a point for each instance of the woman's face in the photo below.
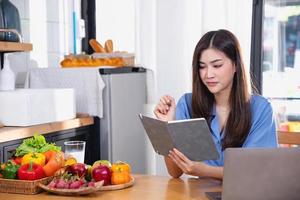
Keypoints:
(216, 71)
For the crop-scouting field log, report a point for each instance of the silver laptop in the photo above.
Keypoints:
(261, 174)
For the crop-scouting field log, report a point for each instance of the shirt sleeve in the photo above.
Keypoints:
(182, 111)
(263, 129)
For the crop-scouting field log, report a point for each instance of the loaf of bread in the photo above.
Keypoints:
(109, 46)
(96, 46)
(90, 62)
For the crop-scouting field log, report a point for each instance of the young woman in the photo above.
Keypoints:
(222, 95)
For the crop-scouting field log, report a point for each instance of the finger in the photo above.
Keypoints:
(181, 163)
(167, 99)
(177, 156)
(164, 105)
(158, 114)
(177, 162)
(181, 156)
(173, 103)
(163, 100)
(157, 110)
(161, 108)
(170, 98)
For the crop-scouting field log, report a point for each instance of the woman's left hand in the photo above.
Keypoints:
(188, 166)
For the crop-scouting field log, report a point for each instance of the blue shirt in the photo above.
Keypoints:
(262, 132)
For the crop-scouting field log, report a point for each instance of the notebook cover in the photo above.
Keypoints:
(192, 137)
(158, 134)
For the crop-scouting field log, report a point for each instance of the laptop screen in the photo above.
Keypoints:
(261, 173)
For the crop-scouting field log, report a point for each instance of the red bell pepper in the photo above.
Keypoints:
(18, 160)
(31, 171)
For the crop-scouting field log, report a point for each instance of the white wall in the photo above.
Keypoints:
(116, 21)
(234, 15)
(48, 26)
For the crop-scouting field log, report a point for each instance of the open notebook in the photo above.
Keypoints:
(192, 137)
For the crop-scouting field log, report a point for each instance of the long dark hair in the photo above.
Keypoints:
(239, 119)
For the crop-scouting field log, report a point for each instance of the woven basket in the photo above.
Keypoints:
(22, 186)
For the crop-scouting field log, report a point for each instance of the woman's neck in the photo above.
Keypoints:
(222, 109)
(222, 100)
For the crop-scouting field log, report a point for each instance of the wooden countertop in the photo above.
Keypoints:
(288, 137)
(13, 133)
(145, 187)
(14, 46)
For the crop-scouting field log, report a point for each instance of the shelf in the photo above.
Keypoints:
(15, 47)
(288, 137)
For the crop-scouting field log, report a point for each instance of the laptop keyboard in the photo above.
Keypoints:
(214, 195)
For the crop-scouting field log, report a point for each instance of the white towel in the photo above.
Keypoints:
(87, 83)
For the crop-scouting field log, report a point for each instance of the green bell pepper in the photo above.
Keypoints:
(10, 170)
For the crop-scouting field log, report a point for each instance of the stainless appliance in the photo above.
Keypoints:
(122, 136)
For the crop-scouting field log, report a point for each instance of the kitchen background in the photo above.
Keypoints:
(162, 34)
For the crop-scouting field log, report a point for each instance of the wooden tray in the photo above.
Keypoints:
(73, 192)
(87, 190)
(117, 187)
(22, 186)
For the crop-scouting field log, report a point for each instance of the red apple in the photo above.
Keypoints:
(101, 172)
(78, 169)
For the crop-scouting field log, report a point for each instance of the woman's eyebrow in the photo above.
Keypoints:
(216, 60)
(213, 61)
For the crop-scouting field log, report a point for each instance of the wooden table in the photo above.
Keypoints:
(145, 187)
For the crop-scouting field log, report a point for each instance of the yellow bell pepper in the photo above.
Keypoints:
(120, 178)
(37, 158)
(120, 167)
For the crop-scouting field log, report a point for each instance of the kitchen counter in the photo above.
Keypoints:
(14, 133)
(288, 137)
(145, 187)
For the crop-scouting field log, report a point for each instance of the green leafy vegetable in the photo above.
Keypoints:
(37, 143)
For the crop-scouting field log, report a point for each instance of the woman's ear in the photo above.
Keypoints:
(234, 67)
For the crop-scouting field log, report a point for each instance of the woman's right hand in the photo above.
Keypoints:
(165, 109)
